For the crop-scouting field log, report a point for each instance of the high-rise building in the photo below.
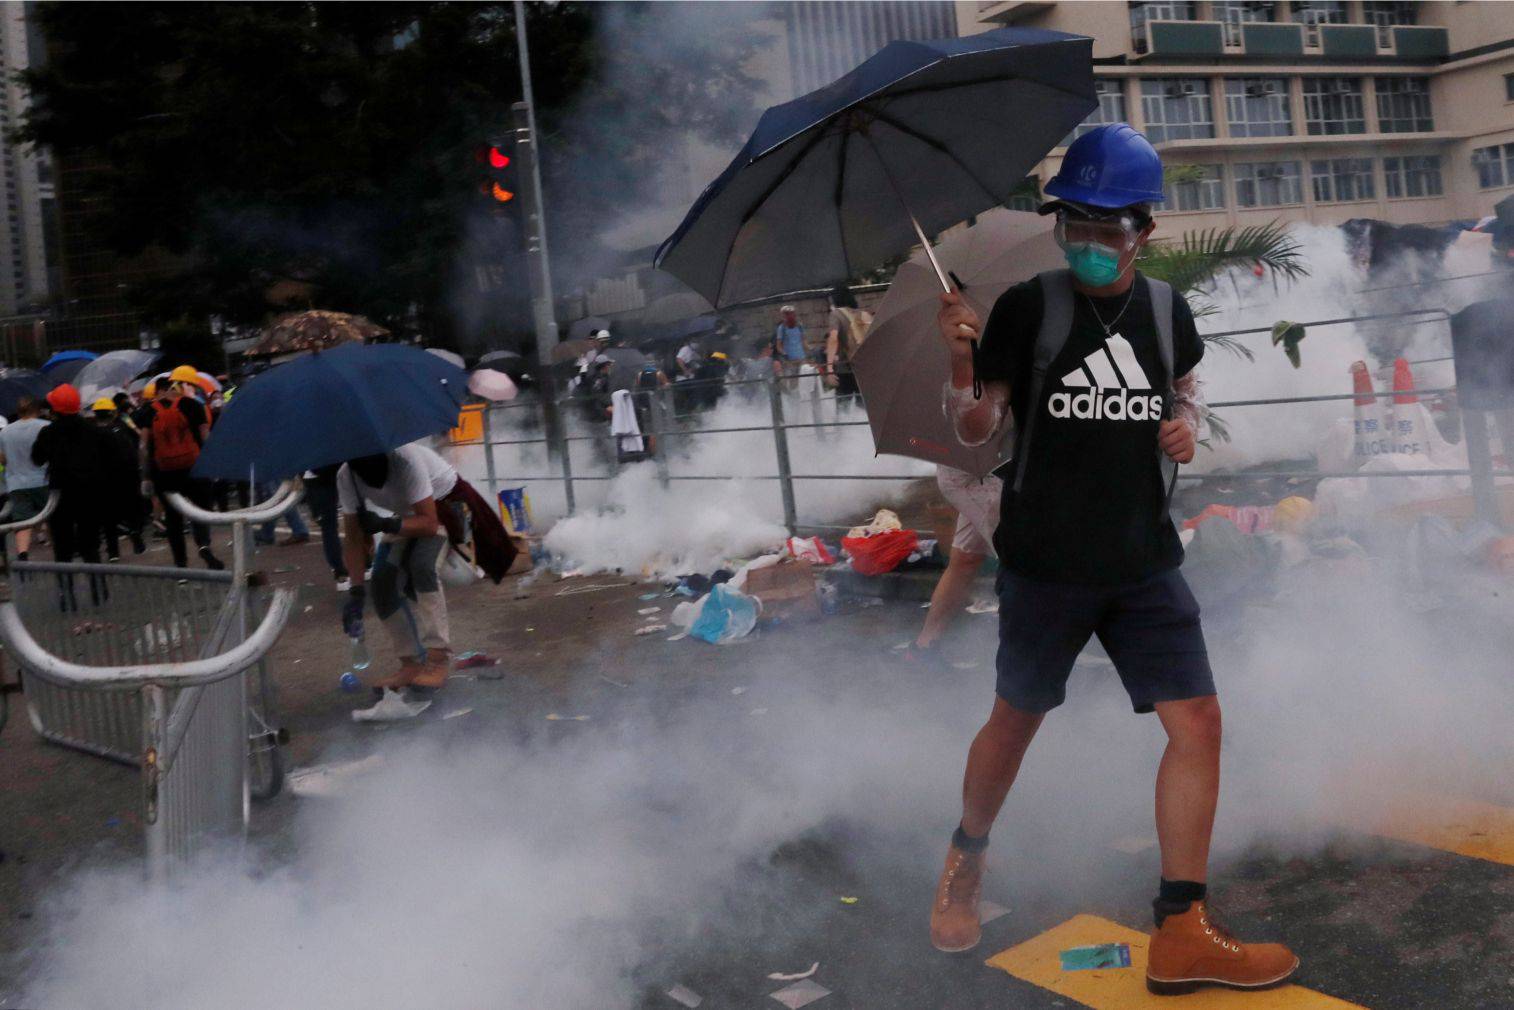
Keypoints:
(827, 38)
(1311, 111)
(26, 184)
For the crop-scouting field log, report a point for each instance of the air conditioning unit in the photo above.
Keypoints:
(1182, 90)
(1263, 88)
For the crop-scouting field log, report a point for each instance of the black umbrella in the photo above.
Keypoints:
(942, 130)
(511, 363)
(18, 382)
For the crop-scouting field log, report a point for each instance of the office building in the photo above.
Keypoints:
(1307, 111)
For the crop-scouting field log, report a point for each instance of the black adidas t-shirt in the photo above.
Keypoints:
(1090, 510)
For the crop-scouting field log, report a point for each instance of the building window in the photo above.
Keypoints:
(1418, 175)
(1258, 107)
(1385, 16)
(1177, 108)
(1341, 180)
(1194, 187)
(1234, 13)
(1508, 87)
(1141, 13)
(1403, 105)
(1313, 13)
(1334, 105)
(1494, 166)
(1111, 108)
(1268, 184)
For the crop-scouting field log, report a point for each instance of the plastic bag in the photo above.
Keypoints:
(812, 550)
(884, 522)
(727, 614)
(881, 552)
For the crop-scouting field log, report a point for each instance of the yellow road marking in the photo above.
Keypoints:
(1466, 827)
(1036, 962)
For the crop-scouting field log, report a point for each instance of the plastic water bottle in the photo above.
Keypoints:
(350, 683)
(360, 657)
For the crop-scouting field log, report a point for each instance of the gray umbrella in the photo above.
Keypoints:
(917, 138)
(628, 364)
(902, 364)
(674, 308)
(111, 370)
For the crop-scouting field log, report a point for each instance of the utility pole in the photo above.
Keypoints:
(537, 262)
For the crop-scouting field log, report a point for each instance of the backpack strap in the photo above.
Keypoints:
(1056, 325)
(1161, 313)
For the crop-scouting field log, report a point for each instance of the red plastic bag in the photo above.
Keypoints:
(881, 552)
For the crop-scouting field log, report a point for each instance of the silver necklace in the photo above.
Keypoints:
(1109, 326)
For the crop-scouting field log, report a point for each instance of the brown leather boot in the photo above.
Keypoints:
(954, 917)
(1189, 951)
(410, 668)
(434, 674)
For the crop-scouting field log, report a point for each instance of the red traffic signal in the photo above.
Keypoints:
(498, 183)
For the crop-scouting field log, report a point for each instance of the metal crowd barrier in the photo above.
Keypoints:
(148, 665)
(784, 393)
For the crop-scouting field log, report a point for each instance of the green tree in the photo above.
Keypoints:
(245, 144)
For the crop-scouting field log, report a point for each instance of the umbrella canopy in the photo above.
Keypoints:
(688, 328)
(112, 369)
(18, 382)
(902, 364)
(65, 371)
(626, 364)
(313, 330)
(330, 407)
(64, 357)
(209, 382)
(449, 356)
(675, 307)
(571, 349)
(512, 363)
(491, 385)
(580, 329)
(818, 193)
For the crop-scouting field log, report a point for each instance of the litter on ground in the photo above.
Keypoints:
(988, 911)
(644, 611)
(1099, 955)
(983, 607)
(392, 707)
(683, 994)
(650, 629)
(554, 717)
(456, 712)
(778, 976)
(849, 900)
(800, 994)
(468, 660)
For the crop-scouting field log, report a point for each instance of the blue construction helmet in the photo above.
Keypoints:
(1110, 166)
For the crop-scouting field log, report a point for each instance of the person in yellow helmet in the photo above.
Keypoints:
(173, 427)
(122, 505)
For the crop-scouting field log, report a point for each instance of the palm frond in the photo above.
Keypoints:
(1230, 344)
(1217, 426)
(1200, 258)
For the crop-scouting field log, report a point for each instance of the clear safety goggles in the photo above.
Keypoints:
(1117, 232)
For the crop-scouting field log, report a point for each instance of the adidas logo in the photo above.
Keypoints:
(1114, 368)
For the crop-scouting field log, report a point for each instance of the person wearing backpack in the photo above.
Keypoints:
(1095, 364)
(845, 331)
(175, 426)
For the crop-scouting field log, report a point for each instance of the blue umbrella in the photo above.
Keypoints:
(63, 357)
(956, 124)
(331, 406)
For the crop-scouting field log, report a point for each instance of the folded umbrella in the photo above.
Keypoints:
(920, 136)
(331, 406)
(904, 403)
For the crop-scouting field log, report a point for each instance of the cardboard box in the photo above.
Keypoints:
(787, 591)
(522, 562)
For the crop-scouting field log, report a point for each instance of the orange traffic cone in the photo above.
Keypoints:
(1369, 441)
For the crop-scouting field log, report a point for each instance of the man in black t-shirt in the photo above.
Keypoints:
(1095, 364)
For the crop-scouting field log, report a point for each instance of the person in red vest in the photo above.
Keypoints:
(174, 426)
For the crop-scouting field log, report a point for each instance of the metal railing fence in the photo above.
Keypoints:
(785, 393)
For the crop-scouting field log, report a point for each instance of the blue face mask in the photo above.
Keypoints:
(1093, 264)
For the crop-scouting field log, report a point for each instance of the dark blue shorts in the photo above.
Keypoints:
(1150, 630)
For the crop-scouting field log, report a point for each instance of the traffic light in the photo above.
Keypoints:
(497, 182)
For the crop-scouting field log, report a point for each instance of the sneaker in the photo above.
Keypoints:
(295, 539)
(343, 584)
(211, 561)
(954, 925)
(1190, 949)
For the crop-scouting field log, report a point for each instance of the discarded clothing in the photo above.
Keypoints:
(495, 551)
(623, 423)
